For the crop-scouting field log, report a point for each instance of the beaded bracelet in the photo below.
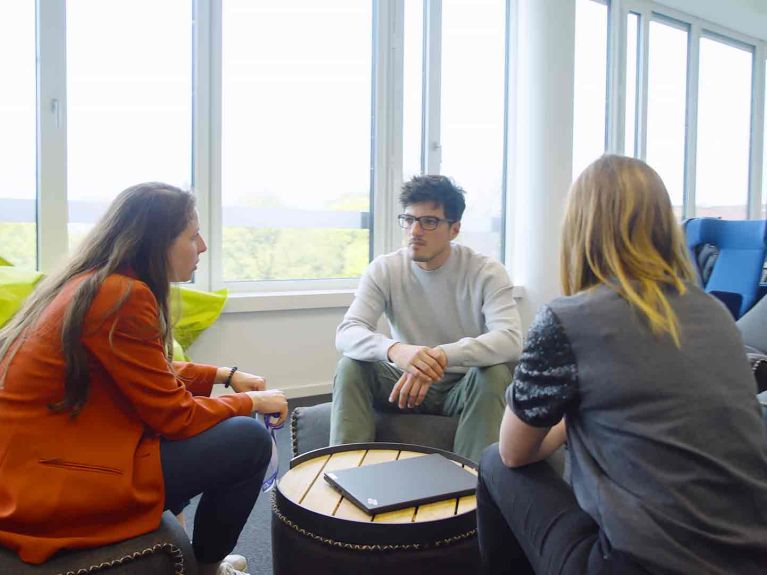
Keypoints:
(228, 381)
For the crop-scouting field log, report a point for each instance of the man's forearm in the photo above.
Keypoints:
(358, 342)
(490, 348)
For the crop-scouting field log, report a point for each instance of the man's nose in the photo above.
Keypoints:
(416, 229)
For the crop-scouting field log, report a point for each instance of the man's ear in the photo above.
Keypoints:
(455, 229)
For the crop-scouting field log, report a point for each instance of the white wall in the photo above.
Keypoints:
(293, 349)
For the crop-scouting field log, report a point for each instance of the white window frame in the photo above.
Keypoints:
(52, 206)
(758, 135)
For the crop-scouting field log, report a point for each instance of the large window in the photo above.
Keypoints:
(296, 121)
(18, 180)
(285, 116)
(688, 98)
(295, 147)
(129, 94)
(724, 130)
(666, 106)
(590, 90)
(472, 114)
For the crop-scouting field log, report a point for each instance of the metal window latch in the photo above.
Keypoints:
(56, 111)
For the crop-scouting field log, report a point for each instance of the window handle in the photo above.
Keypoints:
(56, 111)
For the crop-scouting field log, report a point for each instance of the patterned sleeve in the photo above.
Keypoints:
(546, 379)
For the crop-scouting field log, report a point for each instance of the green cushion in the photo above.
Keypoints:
(193, 312)
(178, 352)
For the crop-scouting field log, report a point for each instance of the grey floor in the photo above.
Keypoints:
(256, 538)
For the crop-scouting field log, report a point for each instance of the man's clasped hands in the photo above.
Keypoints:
(422, 366)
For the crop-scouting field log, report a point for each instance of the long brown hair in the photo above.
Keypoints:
(620, 231)
(136, 233)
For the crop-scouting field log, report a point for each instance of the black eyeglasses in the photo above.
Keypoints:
(428, 223)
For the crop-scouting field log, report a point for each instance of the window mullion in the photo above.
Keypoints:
(643, 81)
(201, 134)
(510, 140)
(388, 70)
(756, 173)
(213, 157)
(616, 87)
(509, 119)
(52, 233)
(691, 133)
(432, 69)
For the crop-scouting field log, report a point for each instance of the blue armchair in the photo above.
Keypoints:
(737, 269)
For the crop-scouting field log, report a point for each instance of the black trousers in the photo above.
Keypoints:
(529, 522)
(225, 463)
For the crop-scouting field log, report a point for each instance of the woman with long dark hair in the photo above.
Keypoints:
(99, 430)
(645, 376)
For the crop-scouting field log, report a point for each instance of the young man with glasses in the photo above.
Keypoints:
(455, 329)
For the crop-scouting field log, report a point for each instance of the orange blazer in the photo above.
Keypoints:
(68, 483)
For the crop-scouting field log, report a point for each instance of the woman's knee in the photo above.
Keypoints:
(250, 440)
(490, 462)
(499, 478)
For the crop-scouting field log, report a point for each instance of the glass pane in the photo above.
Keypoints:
(18, 144)
(666, 105)
(472, 114)
(129, 93)
(296, 116)
(412, 90)
(632, 72)
(724, 130)
(590, 97)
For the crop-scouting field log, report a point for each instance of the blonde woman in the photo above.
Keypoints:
(646, 378)
(99, 431)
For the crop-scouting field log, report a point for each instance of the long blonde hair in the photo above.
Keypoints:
(620, 230)
(136, 233)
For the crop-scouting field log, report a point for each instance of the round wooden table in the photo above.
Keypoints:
(316, 530)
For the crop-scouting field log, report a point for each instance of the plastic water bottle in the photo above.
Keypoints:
(270, 478)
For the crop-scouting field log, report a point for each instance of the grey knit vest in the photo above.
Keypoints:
(667, 447)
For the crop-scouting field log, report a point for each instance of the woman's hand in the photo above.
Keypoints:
(270, 401)
(241, 380)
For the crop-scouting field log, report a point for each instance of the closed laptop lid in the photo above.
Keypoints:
(402, 483)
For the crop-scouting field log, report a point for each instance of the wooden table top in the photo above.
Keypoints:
(305, 486)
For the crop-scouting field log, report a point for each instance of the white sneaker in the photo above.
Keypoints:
(227, 569)
(237, 561)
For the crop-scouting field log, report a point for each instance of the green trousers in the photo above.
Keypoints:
(477, 399)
